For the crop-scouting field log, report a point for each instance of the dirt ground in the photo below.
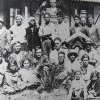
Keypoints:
(34, 95)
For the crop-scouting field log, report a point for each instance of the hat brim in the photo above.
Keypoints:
(72, 53)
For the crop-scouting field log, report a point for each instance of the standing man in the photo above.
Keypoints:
(5, 37)
(83, 27)
(46, 32)
(32, 36)
(18, 32)
(62, 28)
(76, 25)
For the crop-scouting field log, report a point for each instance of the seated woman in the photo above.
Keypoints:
(11, 78)
(28, 76)
(77, 91)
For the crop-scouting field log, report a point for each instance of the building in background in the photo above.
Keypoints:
(10, 8)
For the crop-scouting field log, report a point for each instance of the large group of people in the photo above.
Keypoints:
(50, 57)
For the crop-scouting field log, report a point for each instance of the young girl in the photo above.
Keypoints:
(28, 76)
(77, 91)
(11, 78)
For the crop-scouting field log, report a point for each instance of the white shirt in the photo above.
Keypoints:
(19, 33)
(54, 55)
(47, 29)
(62, 31)
(3, 67)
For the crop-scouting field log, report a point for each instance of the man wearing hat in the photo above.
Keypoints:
(32, 36)
(73, 63)
(18, 32)
(5, 37)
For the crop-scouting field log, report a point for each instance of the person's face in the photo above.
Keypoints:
(61, 57)
(94, 77)
(90, 20)
(78, 75)
(18, 21)
(13, 67)
(77, 21)
(1, 25)
(26, 64)
(39, 53)
(60, 19)
(57, 44)
(72, 57)
(17, 47)
(53, 3)
(32, 22)
(85, 61)
(88, 47)
(47, 18)
(83, 21)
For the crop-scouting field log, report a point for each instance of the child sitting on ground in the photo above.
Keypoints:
(77, 91)
(11, 78)
(28, 76)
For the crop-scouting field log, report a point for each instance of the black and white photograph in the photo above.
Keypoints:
(49, 49)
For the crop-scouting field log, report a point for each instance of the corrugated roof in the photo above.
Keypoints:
(96, 1)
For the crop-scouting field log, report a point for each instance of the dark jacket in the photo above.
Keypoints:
(32, 38)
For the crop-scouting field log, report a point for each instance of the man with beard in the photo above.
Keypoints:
(18, 54)
(32, 36)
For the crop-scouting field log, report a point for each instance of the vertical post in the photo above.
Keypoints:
(26, 14)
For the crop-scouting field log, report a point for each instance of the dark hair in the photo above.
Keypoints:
(60, 14)
(76, 16)
(16, 43)
(77, 72)
(85, 56)
(9, 65)
(61, 52)
(57, 38)
(37, 48)
(47, 13)
(24, 61)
